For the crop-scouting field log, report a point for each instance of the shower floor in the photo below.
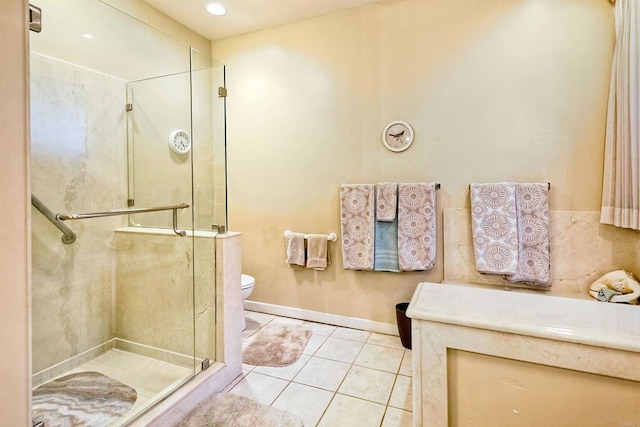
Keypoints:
(151, 378)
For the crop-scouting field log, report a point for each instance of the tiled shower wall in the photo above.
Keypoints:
(78, 164)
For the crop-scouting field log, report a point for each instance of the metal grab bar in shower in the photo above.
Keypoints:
(68, 235)
(128, 211)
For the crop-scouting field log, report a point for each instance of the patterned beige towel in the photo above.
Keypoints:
(493, 222)
(416, 226)
(295, 249)
(386, 201)
(357, 216)
(532, 214)
(317, 251)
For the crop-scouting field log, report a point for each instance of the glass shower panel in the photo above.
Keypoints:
(207, 87)
(158, 175)
(208, 129)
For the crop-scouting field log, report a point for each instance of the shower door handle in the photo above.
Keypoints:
(35, 18)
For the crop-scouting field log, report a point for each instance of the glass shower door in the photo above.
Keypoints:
(120, 300)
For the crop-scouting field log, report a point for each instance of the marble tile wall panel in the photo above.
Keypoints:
(582, 250)
(78, 164)
(155, 292)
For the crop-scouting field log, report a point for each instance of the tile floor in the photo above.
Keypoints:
(346, 377)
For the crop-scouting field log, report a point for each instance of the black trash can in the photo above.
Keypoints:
(404, 324)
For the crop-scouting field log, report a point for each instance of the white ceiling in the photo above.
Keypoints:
(244, 16)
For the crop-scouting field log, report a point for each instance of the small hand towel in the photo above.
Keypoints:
(295, 249)
(386, 201)
(416, 226)
(357, 217)
(495, 233)
(386, 247)
(317, 251)
(532, 216)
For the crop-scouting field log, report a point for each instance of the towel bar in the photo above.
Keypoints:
(548, 186)
(331, 237)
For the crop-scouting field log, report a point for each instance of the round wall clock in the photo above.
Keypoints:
(397, 136)
(179, 141)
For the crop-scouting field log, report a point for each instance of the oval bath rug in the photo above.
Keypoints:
(276, 345)
(82, 399)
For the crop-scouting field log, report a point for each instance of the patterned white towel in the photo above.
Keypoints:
(495, 233)
(357, 216)
(416, 226)
(532, 214)
(386, 201)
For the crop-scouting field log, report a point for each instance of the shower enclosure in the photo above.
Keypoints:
(123, 226)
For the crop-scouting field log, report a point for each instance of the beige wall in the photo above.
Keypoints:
(495, 90)
(15, 392)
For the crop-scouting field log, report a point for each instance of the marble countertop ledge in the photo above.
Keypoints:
(529, 313)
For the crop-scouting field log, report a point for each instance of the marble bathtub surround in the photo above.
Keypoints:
(573, 334)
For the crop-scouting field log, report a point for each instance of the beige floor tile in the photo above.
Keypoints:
(352, 412)
(350, 334)
(287, 321)
(309, 403)
(402, 393)
(322, 373)
(260, 388)
(284, 372)
(368, 384)
(406, 368)
(236, 380)
(339, 349)
(314, 344)
(259, 318)
(392, 341)
(320, 328)
(397, 418)
(378, 357)
(252, 328)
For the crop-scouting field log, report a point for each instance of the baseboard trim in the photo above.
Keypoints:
(316, 316)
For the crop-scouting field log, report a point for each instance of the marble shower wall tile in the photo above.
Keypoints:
(155, 295)
(582, 250)
(78, 164)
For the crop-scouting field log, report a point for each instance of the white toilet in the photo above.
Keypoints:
(247, 285)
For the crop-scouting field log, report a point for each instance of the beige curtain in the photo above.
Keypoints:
(621, 184)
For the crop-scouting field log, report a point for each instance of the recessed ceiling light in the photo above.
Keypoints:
(216, 9)
(88, 36)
